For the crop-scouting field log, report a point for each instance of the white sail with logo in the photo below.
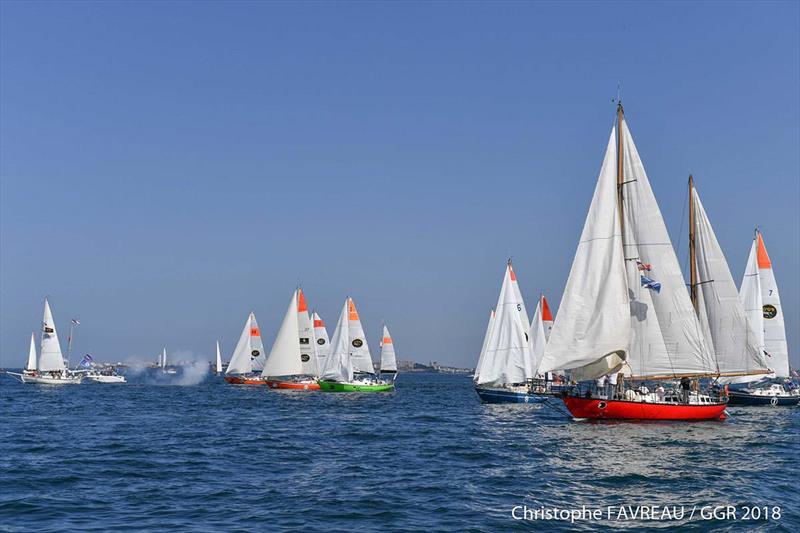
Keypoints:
(290, 354)
(388, 358)
(592, 329)
(483, 348)
(308, 348)
(359, 350)
(31, 364)
(508, 358)
(248, 355)
(720, 311)
(219, 360)
(770, 320)
(50, 357)
(321, 340)
(338, 365)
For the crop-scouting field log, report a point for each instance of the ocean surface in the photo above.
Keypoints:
(155, 455)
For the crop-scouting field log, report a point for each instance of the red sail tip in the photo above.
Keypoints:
(763, 258)
(301, 301)
(351, 308)
(319, 324)
(254, 332)
(511, 273)
(547, 316)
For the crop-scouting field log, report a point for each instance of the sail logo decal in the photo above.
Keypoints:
(770, 311)
(48, 329)
(358, 343)
(254, 332)
(305, 358)
(320, 341)
(255, 353)
(303, 340)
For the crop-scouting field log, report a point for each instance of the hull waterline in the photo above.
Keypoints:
(334, 386)
(243, 380)
(488, 395)
(46, 380)
(600, 409)
(292, 385)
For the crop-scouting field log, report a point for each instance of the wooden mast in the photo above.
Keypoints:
(692, 253)
(620, 173)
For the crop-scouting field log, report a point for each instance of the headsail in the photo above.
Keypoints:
(718, 306)
(537, 334)
(291, 353)
(308, 350)
(359, 351)
(31, 364)
(547, 318)
(219, 360)
(248, 355)
(50, 357)
(507, 358)
(338, 365)
(483, 348)
(592, 328)
(772, 313)
(388, 359)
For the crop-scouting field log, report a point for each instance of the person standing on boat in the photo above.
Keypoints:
(685, 386)
(660, 392)
(612, 382)
(601, 386)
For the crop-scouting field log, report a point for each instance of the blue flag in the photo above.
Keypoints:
(87, 361)
(651, 284)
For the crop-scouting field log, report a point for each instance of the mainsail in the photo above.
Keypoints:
(721, 313)
(31, 364)
(219, 360)
(292, 352)
(507, 357)
(349, 352)
(362, 359)
(762, 303)
(388, 358)
(547, 318)
(50, 357)
(248, 355)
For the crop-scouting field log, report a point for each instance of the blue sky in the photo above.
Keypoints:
(167, 167)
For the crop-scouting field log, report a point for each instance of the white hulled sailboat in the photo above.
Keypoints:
(49, 368)
(388, 357)
(218, 362)
(762, 305)
(321, 339)
(625, 309)
(292, 361)
(247, 360)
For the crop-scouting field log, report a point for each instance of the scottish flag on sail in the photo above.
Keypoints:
(651, 284)
(87, 361)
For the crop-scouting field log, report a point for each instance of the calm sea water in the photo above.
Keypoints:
(216, 457)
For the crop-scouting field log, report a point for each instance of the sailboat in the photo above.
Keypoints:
(49, 368)
(321, 339)
(762, 305)
(388, 357)
(218, 364)
(625, 311)
(507, 362)
(247, 360)
(348, 367)
(162, 363)
(292, 361)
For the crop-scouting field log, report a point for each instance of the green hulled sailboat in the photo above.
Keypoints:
(348, 367)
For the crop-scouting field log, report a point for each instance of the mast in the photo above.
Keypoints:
(620, 173)
(692, 249)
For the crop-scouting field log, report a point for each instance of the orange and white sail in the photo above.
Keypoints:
(388, 357)
(547, 317)
(762, 304)
(321, 340)
(349, 351)
(292, 353)
(248, 356)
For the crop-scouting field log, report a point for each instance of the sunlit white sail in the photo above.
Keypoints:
(483, 347)
(338, 365)
(359, 351)
(292, 352)
(388, 358)
(31, 363)
(321, 340)
(537, 335)
(248, 355)
(219, 360)
(50, 357)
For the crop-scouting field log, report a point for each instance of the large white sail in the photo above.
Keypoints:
(338, 366)
(483, 348)
(718, 306)
(31, 364)
(592, 329)
(292, 353)
(507, 358)
(359, 350)
(773, 325)
(388, 358)
(50, 357)
(248, 355)
(667, 339)
(537, 335)
(219, 360)
(321, 340)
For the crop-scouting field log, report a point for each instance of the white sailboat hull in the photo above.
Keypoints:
(106, 379)
(51, 380)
